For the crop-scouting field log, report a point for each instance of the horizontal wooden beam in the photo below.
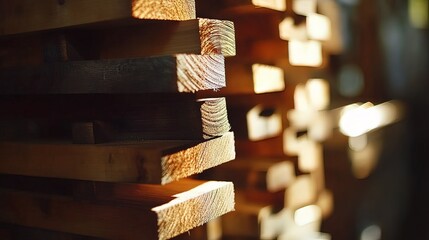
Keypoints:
(146, 162)
(16, 232)
(249, 78)
(210, 122)
(233, 8)
(257, 173)
(124, 39)
(179, 73)
(252, 220)
(122, 211)
(270, 147)
(111, 118)
(31, 15)
(252, 6)
(198, 36)
(257, 122)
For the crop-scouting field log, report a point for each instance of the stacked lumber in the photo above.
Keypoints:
(102, 124)
(278, 100)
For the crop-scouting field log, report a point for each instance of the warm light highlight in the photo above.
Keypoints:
(280, 176)
(358, 143)
(288, 30)
(307, 214)
(310, 154)
(318, 93)
(326, 202)
(300, 98)
(300, 120)
(267, 78)
(260, 127)
(305, 53)
(365, 160)
(301, 192)
(279, 5)
(304, 7)
(290, 142)
(355, 121)
(321, 126)
(318, 27)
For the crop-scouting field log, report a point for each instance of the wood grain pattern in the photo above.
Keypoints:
(180, 73)
(148, 162)
(214, 117)
(126, 212)
(217, 37)
(195, 72)
(169, 9)
(30, 15)
(203, 156)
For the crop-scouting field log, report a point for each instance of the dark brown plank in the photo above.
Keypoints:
(112, 117)
(121, 39)
(179, 73)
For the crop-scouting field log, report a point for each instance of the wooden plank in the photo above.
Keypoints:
(233, 8)
(249, 78)
(252, 6)
(120, 117)
(283, 99)
(122, 39)
(199, 36)
(260, 121)
(212, 122)
(108, 118)
(259, 173)
(302, 192)
(270, 147)
(214, 117)
(146, 162)
(253, 220)
(261, 180)
(122, 211)
(30, 15)
(179, 73)
(276, 51)
(15, 232)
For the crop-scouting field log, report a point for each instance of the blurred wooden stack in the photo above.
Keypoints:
(278, 100)
(101, 123)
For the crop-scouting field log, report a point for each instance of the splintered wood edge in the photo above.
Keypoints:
(164, 10)
(198, 158)
(214, 117)
(197, 72)
(194, 208)
(217, 37)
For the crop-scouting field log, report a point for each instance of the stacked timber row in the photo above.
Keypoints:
(101, 126)
(277, 102)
